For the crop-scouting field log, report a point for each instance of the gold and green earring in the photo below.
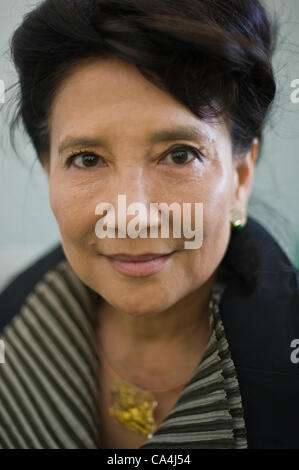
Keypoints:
(238, 219)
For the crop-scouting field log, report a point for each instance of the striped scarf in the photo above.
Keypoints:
(49, 382)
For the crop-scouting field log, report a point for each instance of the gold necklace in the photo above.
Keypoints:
(133, 406)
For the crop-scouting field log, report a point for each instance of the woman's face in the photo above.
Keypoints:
(107, 111)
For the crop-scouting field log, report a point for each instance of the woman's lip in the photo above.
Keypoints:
(139, 266)
(137, 258)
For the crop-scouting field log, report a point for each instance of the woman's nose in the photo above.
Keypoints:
(133, 196)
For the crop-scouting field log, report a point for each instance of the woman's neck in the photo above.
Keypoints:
(156, 351)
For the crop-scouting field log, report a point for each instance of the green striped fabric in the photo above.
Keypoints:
(49, 382)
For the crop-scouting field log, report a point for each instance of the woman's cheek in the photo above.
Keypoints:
(74, 219)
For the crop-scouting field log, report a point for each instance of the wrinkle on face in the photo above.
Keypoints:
(110, 100)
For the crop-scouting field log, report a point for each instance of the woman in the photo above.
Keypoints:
(135, 341)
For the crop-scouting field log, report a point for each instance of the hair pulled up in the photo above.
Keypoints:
(214, 56)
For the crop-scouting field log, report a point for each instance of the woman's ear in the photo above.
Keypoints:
(244, 168)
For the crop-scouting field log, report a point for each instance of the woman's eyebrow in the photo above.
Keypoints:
(163, 135)
(181, 132)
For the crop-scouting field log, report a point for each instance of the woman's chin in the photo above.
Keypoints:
(140, 308)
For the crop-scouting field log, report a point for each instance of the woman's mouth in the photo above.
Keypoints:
(139, 266)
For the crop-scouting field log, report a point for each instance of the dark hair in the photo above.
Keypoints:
(214, 56)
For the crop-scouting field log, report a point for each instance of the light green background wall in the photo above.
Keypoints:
(27, 225)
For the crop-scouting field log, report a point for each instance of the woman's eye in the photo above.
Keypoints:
(83, 160)
(182, 156)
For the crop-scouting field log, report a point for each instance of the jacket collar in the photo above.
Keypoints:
(259, 308)
(253, 251)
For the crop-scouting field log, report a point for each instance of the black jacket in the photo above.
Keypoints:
(260, 314)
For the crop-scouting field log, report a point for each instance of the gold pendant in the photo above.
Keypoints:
(133, 407)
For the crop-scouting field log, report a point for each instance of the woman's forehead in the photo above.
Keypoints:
(102, 100)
